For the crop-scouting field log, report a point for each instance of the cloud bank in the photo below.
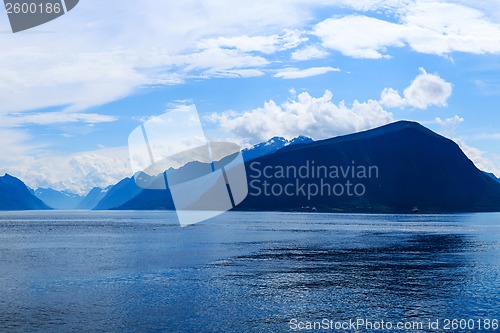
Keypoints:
(318, 118)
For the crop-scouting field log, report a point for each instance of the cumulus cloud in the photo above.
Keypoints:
(426, 90)
(295, 73)
(318, 118)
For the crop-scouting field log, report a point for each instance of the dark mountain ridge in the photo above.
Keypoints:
(119, 194)
(416, 168)
(15, 195)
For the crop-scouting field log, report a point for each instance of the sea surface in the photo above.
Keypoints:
(248, 272)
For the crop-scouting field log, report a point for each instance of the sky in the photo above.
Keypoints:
(72, 90)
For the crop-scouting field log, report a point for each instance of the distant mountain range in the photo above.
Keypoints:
(397, 168)
(58, 199)
(93, 198)
(162, 200)
(119, 194)
(125, 193)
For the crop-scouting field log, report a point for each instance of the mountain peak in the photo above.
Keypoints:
(271, 146)
(301, 139)
(276, 139)
(15, 195)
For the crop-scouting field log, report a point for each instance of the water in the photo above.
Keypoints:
(244, 272)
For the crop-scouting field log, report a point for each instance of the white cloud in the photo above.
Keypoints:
(233, 73)
(490, 136)
(453, 121)
(440, 28)
(449, 125)
(483, 160)
(218, 59)
(88, 58)
(429, 27)
(295, 73)
(490, 87)
(426, 90)
(390, 97)
(55, 118)
(309, 53)
(14, 144)
(265, 44)
(359, 36)
(318, 118)
(77, 173)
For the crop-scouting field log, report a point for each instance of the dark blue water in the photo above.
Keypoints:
(244, 272)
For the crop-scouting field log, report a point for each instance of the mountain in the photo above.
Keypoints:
(15, 195)
(149, 200)
(119, 194)
(272, 146)
(391, 169)
(92, 198)
(58, 199)
(158, 199)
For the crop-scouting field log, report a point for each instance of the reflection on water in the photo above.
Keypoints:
(242, 272)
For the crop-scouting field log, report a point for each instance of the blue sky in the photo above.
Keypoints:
(72, 90)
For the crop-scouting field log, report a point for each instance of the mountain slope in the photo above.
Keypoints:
(157, 199)
(58, 199)
(92, 198)
(415, 167)
(149, 200)
(489, 174)
(15, 195)
(119, 194)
